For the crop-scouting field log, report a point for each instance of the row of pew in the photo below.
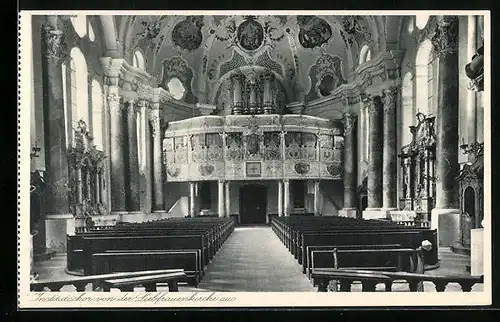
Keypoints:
(175, 243)
(356, 244)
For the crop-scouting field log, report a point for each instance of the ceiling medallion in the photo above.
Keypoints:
(250, 34)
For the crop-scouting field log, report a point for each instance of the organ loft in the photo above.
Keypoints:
(295, 126)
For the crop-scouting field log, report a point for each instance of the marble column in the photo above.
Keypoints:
(252, 101)
(220, 203)
(133, 199)
(286, 197)
(317, 210)
(59, 220)
(117, 143)
(237, 101)
(227, 198)
(192, 199)
(389, 158)
(267, 101)
(350, 166)
(471, 122)
(375, 109)
(280, 198)
(158, 193)
(445, 216)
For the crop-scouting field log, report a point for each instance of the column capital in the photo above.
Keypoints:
(55, 48)
(389, 99)
(445, 39)
(348, 120)
(154, 106)
(155, 125)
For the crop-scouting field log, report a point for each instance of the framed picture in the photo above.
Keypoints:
(253, 169)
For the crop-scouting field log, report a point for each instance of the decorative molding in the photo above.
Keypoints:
(389, 99)
(349, 121)
(55, 48)
(445, 39)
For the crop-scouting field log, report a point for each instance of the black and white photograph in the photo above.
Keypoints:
(263, 158)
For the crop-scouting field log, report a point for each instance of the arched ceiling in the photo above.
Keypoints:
(203, 50)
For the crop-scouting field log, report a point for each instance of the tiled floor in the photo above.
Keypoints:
(253, 259)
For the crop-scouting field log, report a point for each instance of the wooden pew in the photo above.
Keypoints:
(370, 279)
(118, 261)
(329, 250)
(149, 282)
(80, 282)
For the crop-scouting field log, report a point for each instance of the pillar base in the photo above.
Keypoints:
(57, 227)
(447, 223)
(375, 213)
(133, 216)
(348, 212)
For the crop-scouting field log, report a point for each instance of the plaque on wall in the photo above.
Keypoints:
(253, 169)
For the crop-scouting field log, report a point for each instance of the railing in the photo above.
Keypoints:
(100, 281)
(369, 280)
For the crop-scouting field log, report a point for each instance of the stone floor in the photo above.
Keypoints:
(253, 259)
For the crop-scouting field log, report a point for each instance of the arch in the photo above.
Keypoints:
(109, 35)
(138, 60)
(407, 107)
(91, 31)
(78, 84)
(97, 115)
(424, 72)
(79, 23)
(421, 20)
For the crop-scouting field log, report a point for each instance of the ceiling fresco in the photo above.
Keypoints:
(205, 48)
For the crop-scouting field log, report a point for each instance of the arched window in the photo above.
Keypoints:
(138, 60)
(91, 32)
(407, 112)
(421, 20)
(80, 24)
(425, 78)
(176, 88)
(78, 84)
(365, 54)
(97, 115)
(411, 24)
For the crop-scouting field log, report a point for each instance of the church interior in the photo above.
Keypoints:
(256, 153)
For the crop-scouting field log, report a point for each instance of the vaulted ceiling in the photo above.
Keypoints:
(203, 50)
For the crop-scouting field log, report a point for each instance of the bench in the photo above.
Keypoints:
(330, 248)
(117, 261)
(372, 278)
(149, 282)
(80, 282)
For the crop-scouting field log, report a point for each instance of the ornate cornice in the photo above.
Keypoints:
(445, 39)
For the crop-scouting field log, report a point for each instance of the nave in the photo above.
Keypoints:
(254, 260)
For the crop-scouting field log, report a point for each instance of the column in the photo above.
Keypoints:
(471, 95)
(237, 101)
(374, 107)
(228, 199)
(221, 198)
(267, 101)
(59, 220)
(133, 204)
(192, 199)
(389, 159)
(280, 198)
(286, 197)
(252, 100)
(317, 211)
(350, 166)
(158, 193)
(445, 216)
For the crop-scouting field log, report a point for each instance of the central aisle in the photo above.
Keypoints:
(254, 260)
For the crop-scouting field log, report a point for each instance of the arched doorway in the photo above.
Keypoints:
(253, 204)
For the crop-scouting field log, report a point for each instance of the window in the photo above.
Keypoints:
(365, 54)
(425, 71)
(79, 24)
(91, 32)
(78, 88)
(138, 60)
(176, 88)
(421, 20)
(97, 115)
(411, 25)
(66, 102)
